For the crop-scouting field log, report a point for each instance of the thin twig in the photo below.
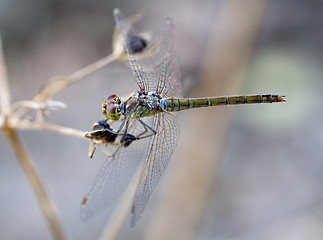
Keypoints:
(4, 85)
(49, 127)
(35, 181)
(60, 83)
(64, 82)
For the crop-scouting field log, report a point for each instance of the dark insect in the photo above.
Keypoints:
(127, 139)
(101, 131)
(136, 43)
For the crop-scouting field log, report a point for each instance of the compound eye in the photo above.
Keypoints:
(112, 97)
(111, 108)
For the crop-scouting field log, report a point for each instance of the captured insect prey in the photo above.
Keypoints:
(103, 134)
(101, 131)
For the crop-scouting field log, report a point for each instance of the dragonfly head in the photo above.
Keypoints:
(111, 107)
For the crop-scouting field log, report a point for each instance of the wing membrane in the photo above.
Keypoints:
(161, 148)
(115, 175)
(156, 151)
(144, 73)
(169, 83)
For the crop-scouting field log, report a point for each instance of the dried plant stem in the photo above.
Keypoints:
(58, 84)
(64, 82)
(4, 85)
(22, 153)
(34, 179)
(92, 68)
(50, 127)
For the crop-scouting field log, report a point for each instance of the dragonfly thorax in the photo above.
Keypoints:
(142, 104)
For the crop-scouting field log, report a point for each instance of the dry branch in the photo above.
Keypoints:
(43, 199)
(4, 85)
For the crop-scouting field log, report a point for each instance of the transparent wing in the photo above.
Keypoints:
(161, 148)
(169, 82)
(115, 174)
(144, 72)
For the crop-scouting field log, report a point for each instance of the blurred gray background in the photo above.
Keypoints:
(265, 166)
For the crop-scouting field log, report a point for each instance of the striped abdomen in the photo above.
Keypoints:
(179, 104)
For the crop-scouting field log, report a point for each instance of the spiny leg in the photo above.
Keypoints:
(146, 127)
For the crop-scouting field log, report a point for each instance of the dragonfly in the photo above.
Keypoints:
(147, 125)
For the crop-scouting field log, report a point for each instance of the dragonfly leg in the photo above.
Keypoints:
(120, 127)
(126, 121)
(144, 133)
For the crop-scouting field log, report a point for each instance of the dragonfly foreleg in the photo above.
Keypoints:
(122, 125)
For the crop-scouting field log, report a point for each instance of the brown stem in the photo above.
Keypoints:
(43, 199)
(60, 83)
(64, 82)
(4, 85)
(49, 127)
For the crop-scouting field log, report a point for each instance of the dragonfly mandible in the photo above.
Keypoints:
(146, 118)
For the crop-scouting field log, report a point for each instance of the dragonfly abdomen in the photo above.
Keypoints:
(179, 104)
